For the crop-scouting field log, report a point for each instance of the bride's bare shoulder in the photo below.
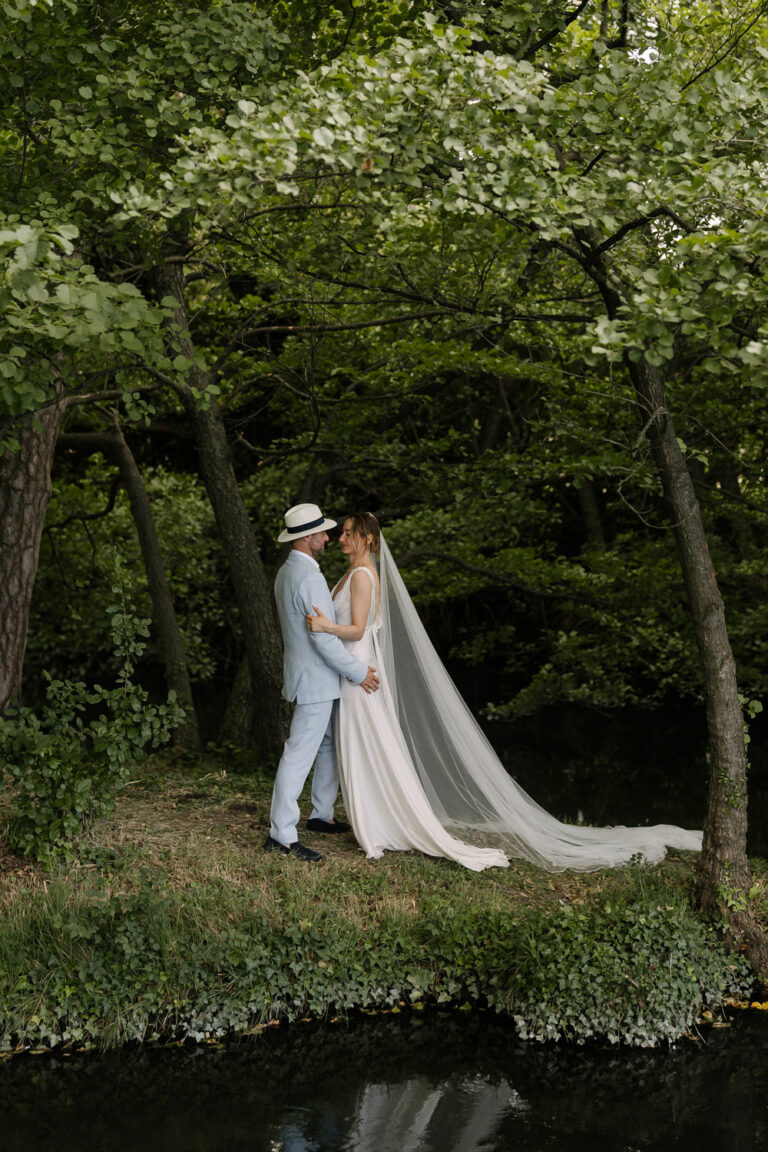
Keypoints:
(366, 568)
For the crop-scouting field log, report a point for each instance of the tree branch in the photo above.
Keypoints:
(640, 222)
(550, 36)
(727, 48)
(112, 394)
(114, 488)
(244, 330)
(490, 574)
(352, 326)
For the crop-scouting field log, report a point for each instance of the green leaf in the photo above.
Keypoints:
(323, 136)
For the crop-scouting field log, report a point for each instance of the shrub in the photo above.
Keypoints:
(101, 966)
(639, 974)
(68, 762)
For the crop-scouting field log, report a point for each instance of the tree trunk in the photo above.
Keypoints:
(237, 724)
(590, 514)
(724, 875)
(733, 518)
(25, 487)
(171, 644)
(261, 637)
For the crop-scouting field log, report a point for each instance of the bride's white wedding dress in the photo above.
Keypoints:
(384, 798)
(417, 771)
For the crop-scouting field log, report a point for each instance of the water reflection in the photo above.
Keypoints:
(462, 1114)
(443, 1083)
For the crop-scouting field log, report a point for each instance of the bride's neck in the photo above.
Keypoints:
(362, 558)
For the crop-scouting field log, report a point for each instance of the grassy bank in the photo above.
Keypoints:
(173, 922)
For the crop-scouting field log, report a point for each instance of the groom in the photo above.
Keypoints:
(312, 666)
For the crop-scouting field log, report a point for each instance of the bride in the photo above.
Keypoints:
(416, 769)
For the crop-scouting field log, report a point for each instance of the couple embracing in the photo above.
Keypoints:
(331, 654)
(376, 711)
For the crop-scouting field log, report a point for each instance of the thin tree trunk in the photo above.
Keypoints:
(590, 513)
(724, 877)
(724, 874)
(237, 725)
(25, 487)
(187, 735)
(170, 638)
(261, 638)
(738, 523)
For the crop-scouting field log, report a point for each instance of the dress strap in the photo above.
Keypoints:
(363, 568)
(373, 612)
(346, 580)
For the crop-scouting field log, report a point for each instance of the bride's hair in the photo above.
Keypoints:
(365, 524)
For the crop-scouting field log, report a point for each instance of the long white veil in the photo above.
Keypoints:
(467, 785)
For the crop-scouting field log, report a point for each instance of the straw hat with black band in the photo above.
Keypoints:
(303, 520)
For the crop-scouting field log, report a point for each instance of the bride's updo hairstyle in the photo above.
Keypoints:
(365, 524)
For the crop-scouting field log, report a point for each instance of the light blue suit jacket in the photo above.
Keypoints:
(312, 661)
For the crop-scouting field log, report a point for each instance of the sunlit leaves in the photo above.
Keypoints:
(53, 307)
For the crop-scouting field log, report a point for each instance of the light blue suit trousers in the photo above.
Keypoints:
(311, 739)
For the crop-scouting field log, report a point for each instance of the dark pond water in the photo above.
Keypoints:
(410, 1083)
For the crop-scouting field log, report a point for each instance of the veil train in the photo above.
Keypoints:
(468, 787)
